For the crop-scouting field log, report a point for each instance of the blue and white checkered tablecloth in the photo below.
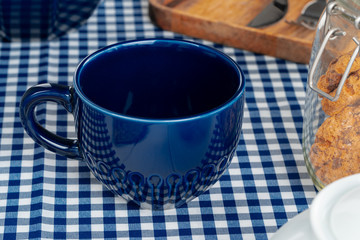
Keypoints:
(43, 195)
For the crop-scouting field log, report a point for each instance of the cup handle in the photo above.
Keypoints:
(41, 93)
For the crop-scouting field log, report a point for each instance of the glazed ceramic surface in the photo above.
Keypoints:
(158, 121)
(24, 20)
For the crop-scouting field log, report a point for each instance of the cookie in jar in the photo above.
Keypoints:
(331, 122)
(335, 152)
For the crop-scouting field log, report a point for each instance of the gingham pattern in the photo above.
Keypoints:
(43, 195)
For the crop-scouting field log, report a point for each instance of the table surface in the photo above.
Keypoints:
(43, 195)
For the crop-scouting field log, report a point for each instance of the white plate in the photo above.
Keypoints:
(333, 214)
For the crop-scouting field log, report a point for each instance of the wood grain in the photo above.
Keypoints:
(225, 22)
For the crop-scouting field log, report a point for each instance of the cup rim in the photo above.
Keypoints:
(238, 93)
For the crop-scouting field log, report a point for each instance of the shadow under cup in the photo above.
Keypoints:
(158, 121)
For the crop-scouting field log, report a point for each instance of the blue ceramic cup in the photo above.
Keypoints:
(27, 20)
(157, 121)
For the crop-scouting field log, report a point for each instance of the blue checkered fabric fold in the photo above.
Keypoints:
(43, 195)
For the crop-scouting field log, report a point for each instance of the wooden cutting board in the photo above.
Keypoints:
(225, 22)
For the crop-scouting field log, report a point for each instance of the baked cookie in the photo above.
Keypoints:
(330, 80)
(350, 94)
(335, 152)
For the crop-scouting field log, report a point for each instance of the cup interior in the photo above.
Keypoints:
(158, 79)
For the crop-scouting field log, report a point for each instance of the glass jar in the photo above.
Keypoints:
(331, 130)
